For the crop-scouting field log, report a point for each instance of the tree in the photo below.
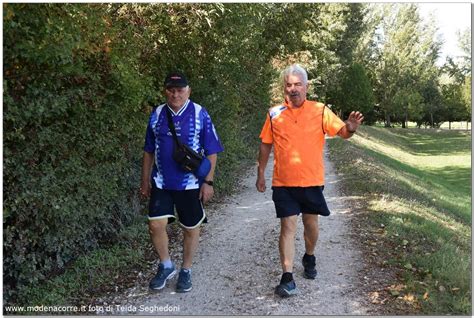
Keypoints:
(406, 59)
(466, 96)
(454, 103)
(355, 93)
(409, 101)
(464, 42)
(433, 107)
(457, 85)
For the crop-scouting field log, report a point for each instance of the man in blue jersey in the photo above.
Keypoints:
(168, 185)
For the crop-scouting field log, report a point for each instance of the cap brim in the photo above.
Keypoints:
(175, 85)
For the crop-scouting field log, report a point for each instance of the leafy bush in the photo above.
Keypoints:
(71, 151)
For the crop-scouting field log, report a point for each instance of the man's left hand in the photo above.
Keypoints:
(206, 193)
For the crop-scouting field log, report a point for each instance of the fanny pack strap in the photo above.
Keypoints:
(171, 125)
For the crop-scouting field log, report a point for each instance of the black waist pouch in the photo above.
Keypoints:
(188, 159)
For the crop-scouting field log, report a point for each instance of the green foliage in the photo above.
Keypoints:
(356, 93)
(456, 89)
(406, 63)
(466, 96)
(95, 271)
(433, 107)
(410, 103)
(454, 101)
(331, 35)
(464, 61)
(71, 114)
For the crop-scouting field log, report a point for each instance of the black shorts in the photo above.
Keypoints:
(295, 200)
(190, 211)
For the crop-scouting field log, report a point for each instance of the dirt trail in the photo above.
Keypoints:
(237, 265)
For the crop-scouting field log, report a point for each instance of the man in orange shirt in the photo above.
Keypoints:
(297, 129)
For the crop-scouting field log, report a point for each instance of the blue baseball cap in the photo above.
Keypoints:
(175, 79)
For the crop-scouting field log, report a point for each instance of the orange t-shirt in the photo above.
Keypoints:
(298, 139)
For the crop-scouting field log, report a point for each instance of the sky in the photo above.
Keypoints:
(451, 17)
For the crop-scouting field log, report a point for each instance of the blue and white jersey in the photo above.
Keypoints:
(193, 126)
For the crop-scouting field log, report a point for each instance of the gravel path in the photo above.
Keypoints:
(237, 264)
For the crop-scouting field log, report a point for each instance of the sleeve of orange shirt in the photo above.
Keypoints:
(332, 123)
(266, 135)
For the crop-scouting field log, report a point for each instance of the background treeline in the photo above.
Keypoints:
(79, 80)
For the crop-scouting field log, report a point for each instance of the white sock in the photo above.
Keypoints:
(167, 263)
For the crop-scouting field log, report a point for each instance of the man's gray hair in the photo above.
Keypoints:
(295, 69)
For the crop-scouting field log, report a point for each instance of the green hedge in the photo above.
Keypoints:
(71, 122)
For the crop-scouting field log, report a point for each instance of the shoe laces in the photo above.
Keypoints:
(161, 271)
(184, 276)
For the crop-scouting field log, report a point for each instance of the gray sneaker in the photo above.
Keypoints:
(163, 275)
(286, 289)
(184, 282)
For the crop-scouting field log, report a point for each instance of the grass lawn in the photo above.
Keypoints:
(414, 189)
(455, 125)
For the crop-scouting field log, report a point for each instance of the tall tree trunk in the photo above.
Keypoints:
(449, 125)
(405, 121)
(387, 120)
